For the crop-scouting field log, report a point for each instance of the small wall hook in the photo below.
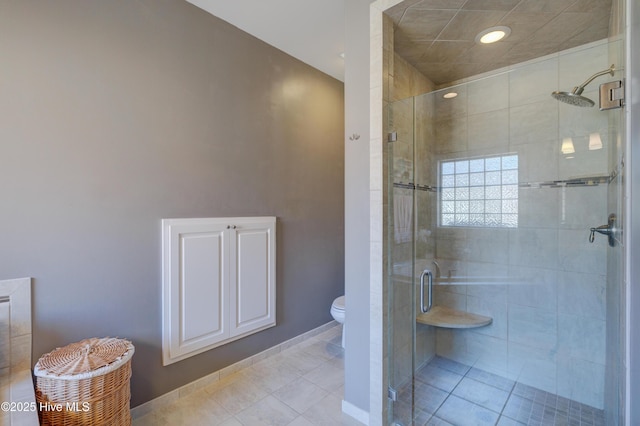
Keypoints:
(354, 137)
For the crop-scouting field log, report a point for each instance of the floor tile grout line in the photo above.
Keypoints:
(506, 402)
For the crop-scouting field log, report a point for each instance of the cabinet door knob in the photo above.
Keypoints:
(228, 226)
(234, 227)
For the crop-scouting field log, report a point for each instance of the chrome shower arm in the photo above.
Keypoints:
(579, 89)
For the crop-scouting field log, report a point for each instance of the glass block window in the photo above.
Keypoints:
(479, 192)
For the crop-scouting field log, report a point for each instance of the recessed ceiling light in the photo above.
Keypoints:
(342, 55)
(493, 34)
(450, 95)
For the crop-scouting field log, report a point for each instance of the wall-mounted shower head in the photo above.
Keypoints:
(575, 96)
(573, 99)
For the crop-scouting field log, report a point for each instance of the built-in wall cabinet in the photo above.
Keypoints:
(218, 282)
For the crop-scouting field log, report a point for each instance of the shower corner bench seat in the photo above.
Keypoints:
(440, 316)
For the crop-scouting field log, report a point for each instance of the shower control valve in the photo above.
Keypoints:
(609, 230)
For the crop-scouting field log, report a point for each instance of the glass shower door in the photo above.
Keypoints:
(400, 261)
(410, 200)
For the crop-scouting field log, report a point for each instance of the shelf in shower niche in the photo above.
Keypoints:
(440, 316)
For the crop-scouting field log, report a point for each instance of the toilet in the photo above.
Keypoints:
(337, 312)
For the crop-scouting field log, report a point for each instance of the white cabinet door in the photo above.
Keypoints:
(218, 282)
(252, 277)
(196, 302)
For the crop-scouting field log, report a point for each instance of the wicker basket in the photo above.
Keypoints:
(85, 383)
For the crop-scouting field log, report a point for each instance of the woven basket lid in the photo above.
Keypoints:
(84, 359)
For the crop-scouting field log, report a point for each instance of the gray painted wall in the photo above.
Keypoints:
(357, 203)
(633, 180)
(116, 114)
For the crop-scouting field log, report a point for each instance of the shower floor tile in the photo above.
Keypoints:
(449, 393)
(428, 398)
(439, 378)
(472, 414)
(482, 394)
(450, 365)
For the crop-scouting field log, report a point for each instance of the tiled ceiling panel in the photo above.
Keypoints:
(437, 36)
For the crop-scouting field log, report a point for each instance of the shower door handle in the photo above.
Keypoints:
(425, 308)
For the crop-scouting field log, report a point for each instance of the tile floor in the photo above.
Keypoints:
(449, 393)
(304, 385)
(300, 386)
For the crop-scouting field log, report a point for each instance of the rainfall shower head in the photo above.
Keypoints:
(573, 99)
(575, 96)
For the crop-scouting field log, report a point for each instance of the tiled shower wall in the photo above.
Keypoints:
(549, 324)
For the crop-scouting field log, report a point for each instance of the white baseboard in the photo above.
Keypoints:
(357, 413)
(163, 400)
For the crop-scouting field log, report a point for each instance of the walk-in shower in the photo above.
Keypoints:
(524, 327)
(575, 96)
